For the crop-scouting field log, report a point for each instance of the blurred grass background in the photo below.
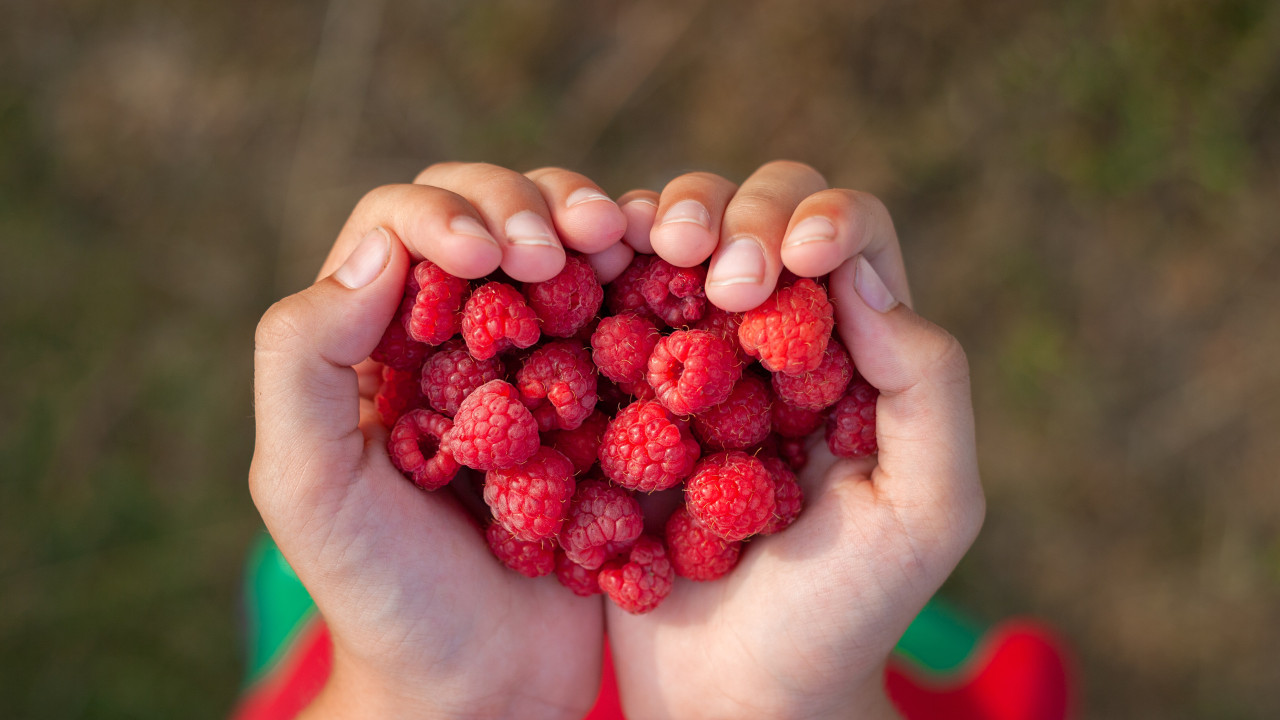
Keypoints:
(1088, 195)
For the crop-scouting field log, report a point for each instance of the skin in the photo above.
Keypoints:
(426, 623)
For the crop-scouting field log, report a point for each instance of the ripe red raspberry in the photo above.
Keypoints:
(558, 384)
(398, 350)
(582, 444)
(740, 422)
(568, 301)
(675, 294)
(696, 552)
(451, 374)
(653, 286)
(416, 449)
(398, 393)
(794, 452)
(724, 324)
(731, 494)
(789, 331)
(492, 429)
(821, 388)
(642, 579)
(624, 293)
(603, 521)
(646, 448)
(531, 559)
(435, 315)
(792, 422)
(788, 498)
(531, 499)
(621, 346)
(851, 426)
(581, 581)
(640, 390)
(496, 318)
(692, 370)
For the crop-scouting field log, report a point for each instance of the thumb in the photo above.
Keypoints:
(927, 464)
(306, 394)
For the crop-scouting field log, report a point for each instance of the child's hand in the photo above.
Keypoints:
(424, 621)
(803, 626)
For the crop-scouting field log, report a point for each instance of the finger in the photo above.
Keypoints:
(640, 207)
(746, 264)
(369, 375)
(514, 212)
(306, 398)
(689, 216)
(610, 262)
(432, 223)
(831, 226)
(927, 464)
(586, 219)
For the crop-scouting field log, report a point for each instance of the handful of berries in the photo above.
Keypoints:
(574, 416)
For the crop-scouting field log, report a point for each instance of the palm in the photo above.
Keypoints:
(405, 579)
(826, 593)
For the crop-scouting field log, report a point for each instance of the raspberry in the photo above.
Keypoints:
(417, 450)
(792, 422)
(646, 448)
(692, 370)
(436, 311)
(794, 452)
(492, 429)
(530, 500)
(789, 331)
(496, 318)
(739, 422)
(731, 494)
(723, 323)
(641, 390)
(851, 426)
(675, 294)
(624, 293)
(603, 521)
(787, 496)
(621, 346)
(558, 384)
(531, 559)
(582, 444)
(821, 388)
(581, 581)
(696, 552)
(397, 394)
(653, 286)
(568, 301)
(451, 374)
(639, 582)
(398, 350)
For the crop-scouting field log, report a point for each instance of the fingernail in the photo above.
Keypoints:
(528, 228)
(469, 226)
(741, 263)
(585, 195)
(365, 262)
(810, 230)
(688, 211)
(643, 201)
(871, 288)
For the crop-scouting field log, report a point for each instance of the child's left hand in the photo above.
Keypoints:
(424, 621)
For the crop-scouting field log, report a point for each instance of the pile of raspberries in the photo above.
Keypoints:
(579, 417)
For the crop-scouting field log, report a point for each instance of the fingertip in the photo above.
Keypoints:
(639, 207)
(591, 221)
(610, 262)
(533, 264)
(810, 248)
(468, 251)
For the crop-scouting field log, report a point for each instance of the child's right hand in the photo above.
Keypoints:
(424, 622)
(803, 625)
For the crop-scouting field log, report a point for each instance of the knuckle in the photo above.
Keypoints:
(280, 326)
(795, 168)
(759, 200)
(948, 361)
(435, 169)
